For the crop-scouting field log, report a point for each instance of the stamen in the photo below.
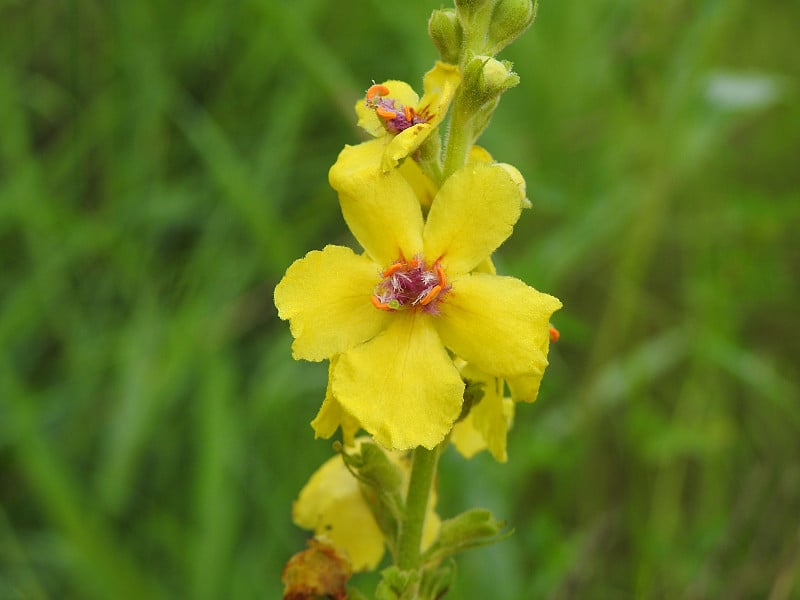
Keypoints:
(377, 90)
(430, 296)
(409, 113)
(380, 305)
(392, 269)
(442, 278)
(385, 113)
(554, 334)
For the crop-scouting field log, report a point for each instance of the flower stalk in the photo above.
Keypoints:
(423, 472)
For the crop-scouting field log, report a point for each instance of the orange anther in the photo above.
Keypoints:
(442, 277)
(413, 263)
(554, 334)
(408, 112)
(385, 113)
(377, 90)
(380, 305)
(431, 296)
(392, 269)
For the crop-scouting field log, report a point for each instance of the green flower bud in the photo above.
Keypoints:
(470, 529)
(446, 33)
(397, 585)
(510, 20)
(485, 78)
(374, 468)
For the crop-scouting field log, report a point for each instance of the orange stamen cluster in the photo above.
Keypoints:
(396, 117)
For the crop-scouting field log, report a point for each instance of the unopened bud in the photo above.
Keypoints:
(470, 529)
(374, 467)
(446, 33)
(485, 78)
(510, 20)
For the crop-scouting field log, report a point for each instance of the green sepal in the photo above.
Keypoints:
(373, 467)
(481, 119)
(471, 529)
(426, 584)
(473, 394)
(438, 581)
(396, 584)
(381, 486)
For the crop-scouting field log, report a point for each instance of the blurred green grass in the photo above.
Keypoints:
(161, 164)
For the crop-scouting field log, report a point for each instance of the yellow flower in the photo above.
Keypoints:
(393, 314)
(331, 504)
(392, 110)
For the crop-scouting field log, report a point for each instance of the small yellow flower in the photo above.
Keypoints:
(331, 504)
(393, 315)
(393, 111)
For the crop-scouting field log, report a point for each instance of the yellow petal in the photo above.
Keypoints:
(466, 438)
(331, 416)
(473, 213)
(525, 388)
(486, 266)
(440, 84)
(402, 93)
(496, 323)
(326, 298)
(404, 144)
(401, 386)
(380, 208)
(424, 188)
(332, 506)
(479, 154)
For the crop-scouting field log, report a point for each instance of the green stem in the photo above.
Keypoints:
(423, 470)
(459, 136)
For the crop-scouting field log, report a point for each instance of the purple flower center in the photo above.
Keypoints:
(411, 285)
(395, 116)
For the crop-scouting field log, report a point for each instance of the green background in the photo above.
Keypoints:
(162, 163)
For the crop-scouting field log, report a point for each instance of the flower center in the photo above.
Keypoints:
(411, 284)
(396, 117)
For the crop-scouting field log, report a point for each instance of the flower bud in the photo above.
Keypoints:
(509, 20)
(445, 31)
(485, 78)
(374, 467)
(470, 529)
